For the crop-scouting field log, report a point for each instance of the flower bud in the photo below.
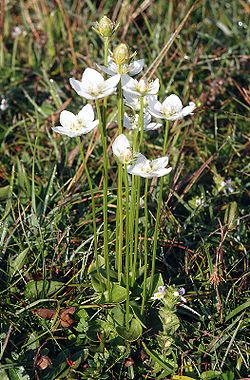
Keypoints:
(105, 27)
(121, 54)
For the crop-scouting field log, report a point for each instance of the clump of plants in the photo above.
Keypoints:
(124, 275)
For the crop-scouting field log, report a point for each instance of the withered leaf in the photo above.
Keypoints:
(45, 313)
(43, 362)
(65, 315)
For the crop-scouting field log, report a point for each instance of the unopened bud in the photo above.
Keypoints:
(105, 27)
(121, 54)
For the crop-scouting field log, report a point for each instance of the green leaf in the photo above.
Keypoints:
(4, 192)
(118, 315)
(177, 377)
(133, 333)
(118, 293)
(231, 214)
(237, 310)
(158, 359)
(17, 263)
(34, 289)
(207, 375)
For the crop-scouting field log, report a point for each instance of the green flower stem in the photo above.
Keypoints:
(127, 261)
(157, 221)
(93, 208)
(105, 194)
(104, 110)
(131, 230)
(141, 120)
(144, 290)
(135, 198)
(119, 224)
(119, 209)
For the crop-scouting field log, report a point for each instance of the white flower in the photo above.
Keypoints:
(17, 30)
(93, 86)
(227, 185)
(160, 294)
(131, 122)
(77, 125)
(133, 101)
(121, 149)
(149, 169)
(131, 69)
(171, 108)
(141, 87)
(4, 105)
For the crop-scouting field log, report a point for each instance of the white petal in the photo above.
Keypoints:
(155, 107)
(76, 84)
(67, 118)
(106, 69)
(120, 144)
(89, 127)
(160, 163)
(126, 121)
(188, 109)
(173, 102)
(136, 67)
(105, 93)
(152, 126)
(161, 172)
(147, 118)
(62, 131)
(140, 159)
(130, 84)
(154, 88)
(91, 76)
(125, 78)
(87, 113)
(112, 82)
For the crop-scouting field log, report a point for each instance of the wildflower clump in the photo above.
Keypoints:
(122, 270)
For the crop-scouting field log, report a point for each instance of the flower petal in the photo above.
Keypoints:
(154, 88)
(160, 163)
(120, 144)
(76, 84)
(161, 172)
(112, 82)
(173, 102)
(126, 121)
(136, 67)
(106, 69)
(87, 113)
(89, 127)
(92, 76)
(152, 126)
(67, 118)
(62, 130)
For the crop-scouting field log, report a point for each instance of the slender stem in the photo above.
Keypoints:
(104, 109)
(131, 230)
(119, 224)
(105, 194)
(141, 120)
(136, 197)
(127, 245)
(144, 290)
(157, 221)
(93, 207)
(119, 209)
(140, 127)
